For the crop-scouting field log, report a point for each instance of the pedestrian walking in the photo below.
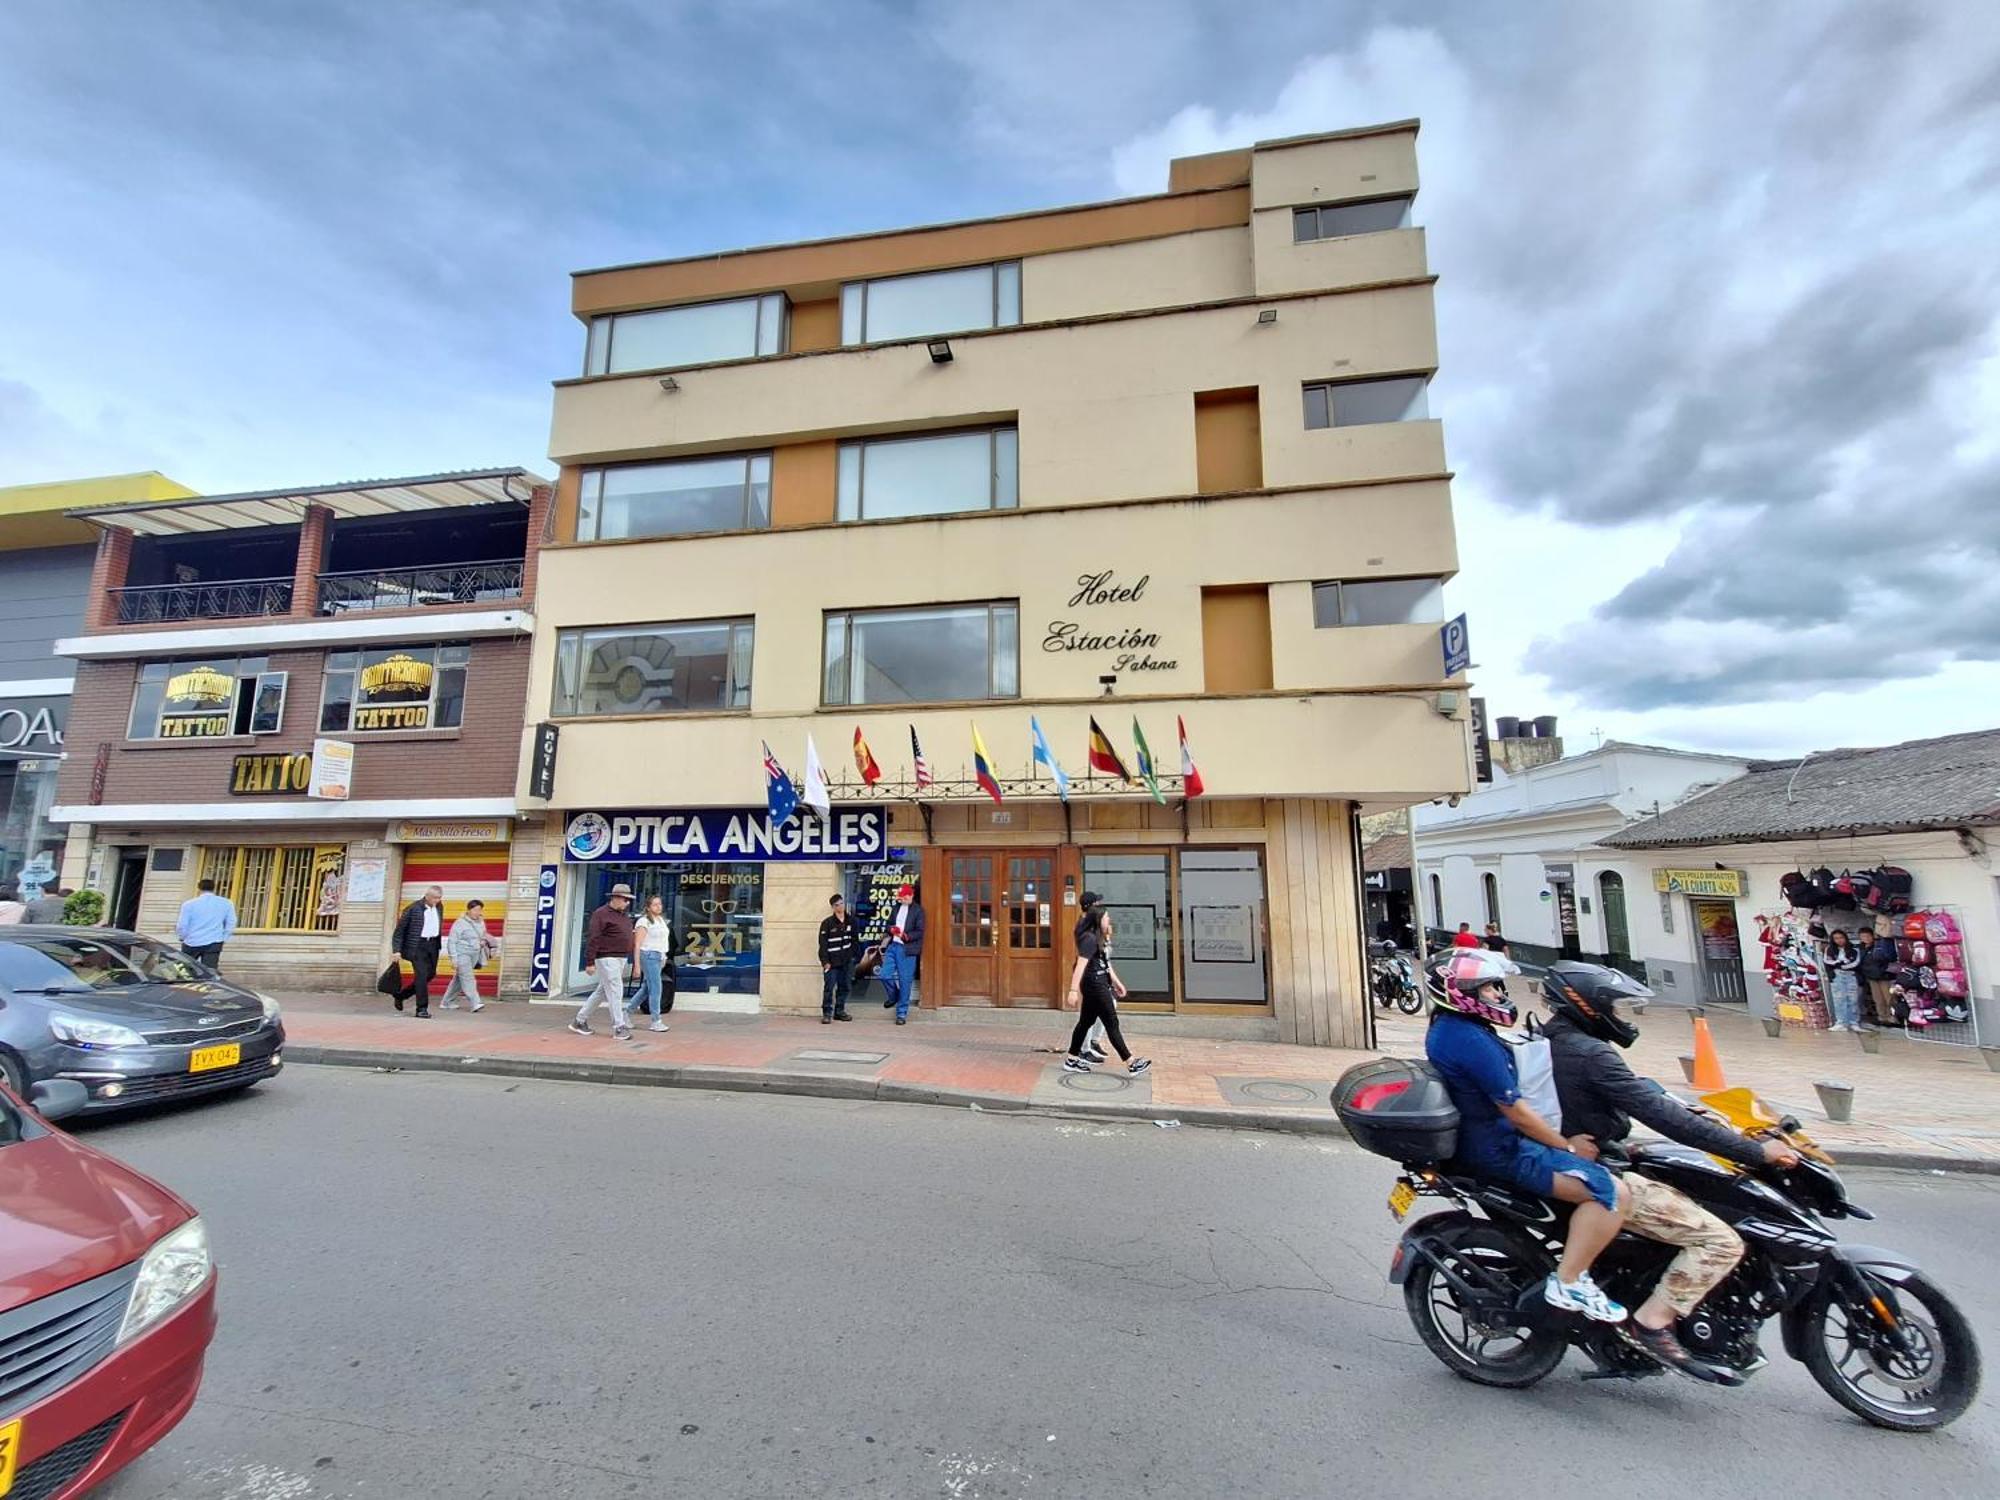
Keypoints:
(48, 907)
(1494, 940)
(653, 952)
(206, 922)
(1466, 938)
(899, 952)
(469, 945)
(1843, 980)
(419, 939)
(607, 945)
(1095, 987)
(12, 908)
(1093, 1042)
(836, 962)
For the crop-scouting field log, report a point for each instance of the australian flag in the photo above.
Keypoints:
(784, 797)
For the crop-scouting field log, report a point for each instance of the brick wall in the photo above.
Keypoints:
(477, 760)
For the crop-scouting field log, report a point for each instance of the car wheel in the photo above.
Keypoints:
(13, 1075)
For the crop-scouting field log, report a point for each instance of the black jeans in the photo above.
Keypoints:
(1098, 1005)
(209, 954)
(423, 966)
(835, 982)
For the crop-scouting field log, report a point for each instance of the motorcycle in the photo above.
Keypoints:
(1393, 979)
(1877, 1334)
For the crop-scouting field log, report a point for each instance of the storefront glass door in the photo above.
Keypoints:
(1223, 928)
(1139, 897)
(1000, 941)
(717, 915)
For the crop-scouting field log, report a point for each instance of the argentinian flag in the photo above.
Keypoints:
(1044, 756)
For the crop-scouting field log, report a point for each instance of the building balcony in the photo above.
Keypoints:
(419, 588)
(167, 603)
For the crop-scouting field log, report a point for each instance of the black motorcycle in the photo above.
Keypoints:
(1879, 1335)
(1393, 978)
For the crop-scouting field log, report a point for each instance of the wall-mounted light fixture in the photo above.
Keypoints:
(669, 384)
(1108, 681)
(1267, 315)
(940, 351)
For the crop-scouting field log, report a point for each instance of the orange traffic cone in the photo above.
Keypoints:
(1708, 1077)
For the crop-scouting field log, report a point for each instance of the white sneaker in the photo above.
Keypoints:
(657, 1026)
(1582, 1296)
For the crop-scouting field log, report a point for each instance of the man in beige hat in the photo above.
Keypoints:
(607, 944)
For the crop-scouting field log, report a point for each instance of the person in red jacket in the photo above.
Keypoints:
(1466, 938)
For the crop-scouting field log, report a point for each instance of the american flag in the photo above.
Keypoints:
(922, 766)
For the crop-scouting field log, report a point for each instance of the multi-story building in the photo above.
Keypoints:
(313, 697)
(1165, 459)
(44, 580)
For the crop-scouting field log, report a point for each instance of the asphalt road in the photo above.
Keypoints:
(458, 1287)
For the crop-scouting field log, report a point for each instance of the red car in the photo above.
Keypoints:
(107, 1304)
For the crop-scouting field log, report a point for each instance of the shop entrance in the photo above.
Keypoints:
(127, 885)
(1000, 933)
(1720, 948)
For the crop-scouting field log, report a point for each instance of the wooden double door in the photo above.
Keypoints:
(1001, 910)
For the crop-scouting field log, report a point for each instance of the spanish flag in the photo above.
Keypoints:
(864, 759)
(1103, 756)
(982, 766)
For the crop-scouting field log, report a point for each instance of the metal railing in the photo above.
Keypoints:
(412, 588)
(154, 603)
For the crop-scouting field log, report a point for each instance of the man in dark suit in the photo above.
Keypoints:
(419, 937)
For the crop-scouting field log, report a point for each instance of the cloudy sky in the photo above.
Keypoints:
(1719, 307)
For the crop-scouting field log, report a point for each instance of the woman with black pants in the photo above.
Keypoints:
(1095, 985)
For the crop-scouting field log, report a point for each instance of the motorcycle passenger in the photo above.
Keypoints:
(1600, 1098)
(1501, 1136)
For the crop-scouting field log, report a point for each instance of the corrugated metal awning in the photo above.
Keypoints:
(367, 497)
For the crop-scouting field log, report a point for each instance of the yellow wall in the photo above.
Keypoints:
(1236, 639)
(31, 515)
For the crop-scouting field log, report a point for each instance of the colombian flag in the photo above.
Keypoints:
(982, 766)
(1103, 757)
(864, 759)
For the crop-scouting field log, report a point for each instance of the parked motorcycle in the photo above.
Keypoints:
(1877, 1334)
(1393, 978)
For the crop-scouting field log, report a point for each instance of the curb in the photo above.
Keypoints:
(894, 1091)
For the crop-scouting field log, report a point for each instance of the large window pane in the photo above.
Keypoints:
(1134, 888)
(1379, 601)
(1361, 403)
(903, 307)
(673, 499)
(1333, 220)
(953, 653)
(670, 336)
(208, 698)
(1222, 927)
(653, 669)
(928, 476)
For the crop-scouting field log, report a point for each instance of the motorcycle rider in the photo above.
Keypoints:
(1502, 1136)
(1600, 1097)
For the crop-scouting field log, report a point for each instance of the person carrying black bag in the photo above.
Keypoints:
(420, 939)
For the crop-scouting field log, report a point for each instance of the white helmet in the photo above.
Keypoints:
(1466, 972)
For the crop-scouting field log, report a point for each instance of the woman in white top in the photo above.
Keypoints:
(653, 952)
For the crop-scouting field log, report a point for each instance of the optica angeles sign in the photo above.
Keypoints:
(853, 835)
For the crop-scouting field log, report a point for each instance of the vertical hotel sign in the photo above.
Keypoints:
(541, 966)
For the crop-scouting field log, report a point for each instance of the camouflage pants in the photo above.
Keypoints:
(1710, 1249)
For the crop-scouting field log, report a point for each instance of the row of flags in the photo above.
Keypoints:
(1102, 756)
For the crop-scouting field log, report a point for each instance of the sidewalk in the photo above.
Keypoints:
(1914, 1104)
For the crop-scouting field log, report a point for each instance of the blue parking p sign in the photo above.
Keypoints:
(1457, 647)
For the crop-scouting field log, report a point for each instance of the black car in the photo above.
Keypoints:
(133, 1021)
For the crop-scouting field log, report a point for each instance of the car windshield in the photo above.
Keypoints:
(83, 963)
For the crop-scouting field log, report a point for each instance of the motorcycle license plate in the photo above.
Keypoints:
(223, 1055)
(1402, 1197)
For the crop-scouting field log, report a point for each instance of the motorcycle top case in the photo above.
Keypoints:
(1398, 1108)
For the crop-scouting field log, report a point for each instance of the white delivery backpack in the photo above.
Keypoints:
(1534, 1062)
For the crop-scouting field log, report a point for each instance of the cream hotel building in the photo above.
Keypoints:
(1165, 458)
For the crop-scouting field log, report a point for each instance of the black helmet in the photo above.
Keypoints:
(1589, 994)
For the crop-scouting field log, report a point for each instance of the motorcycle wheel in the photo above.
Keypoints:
(1410, 1002)
(1499, 1358)
(1920, 1390)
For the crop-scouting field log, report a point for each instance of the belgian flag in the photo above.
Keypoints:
(1104, 755)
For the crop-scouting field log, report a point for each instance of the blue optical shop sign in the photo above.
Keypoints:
(853, 835)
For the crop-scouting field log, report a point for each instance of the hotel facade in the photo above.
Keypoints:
(1155, 463)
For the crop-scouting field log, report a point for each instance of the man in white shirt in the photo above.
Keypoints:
(419, 939)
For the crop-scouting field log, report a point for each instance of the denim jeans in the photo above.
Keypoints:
(1844, 990)
(835, 981)
(652, 966)
(899, 973)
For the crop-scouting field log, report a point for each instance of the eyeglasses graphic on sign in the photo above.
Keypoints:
(711, 907)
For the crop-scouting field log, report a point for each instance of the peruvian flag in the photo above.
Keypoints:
(864, 759)
(1190, 778)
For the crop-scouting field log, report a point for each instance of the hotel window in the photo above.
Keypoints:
(933, 475)
(731, 493)
(1332, 221)
(413, 687)
(1379, 601)
(947, 653)
(278, 887)
(1363, 403)
(654, 669)
(908, 307)
(210, 698)
(699, 334)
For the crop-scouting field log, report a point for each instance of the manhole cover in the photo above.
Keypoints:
(1094, 1083)
(1273, 1092)
(821, 1055)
